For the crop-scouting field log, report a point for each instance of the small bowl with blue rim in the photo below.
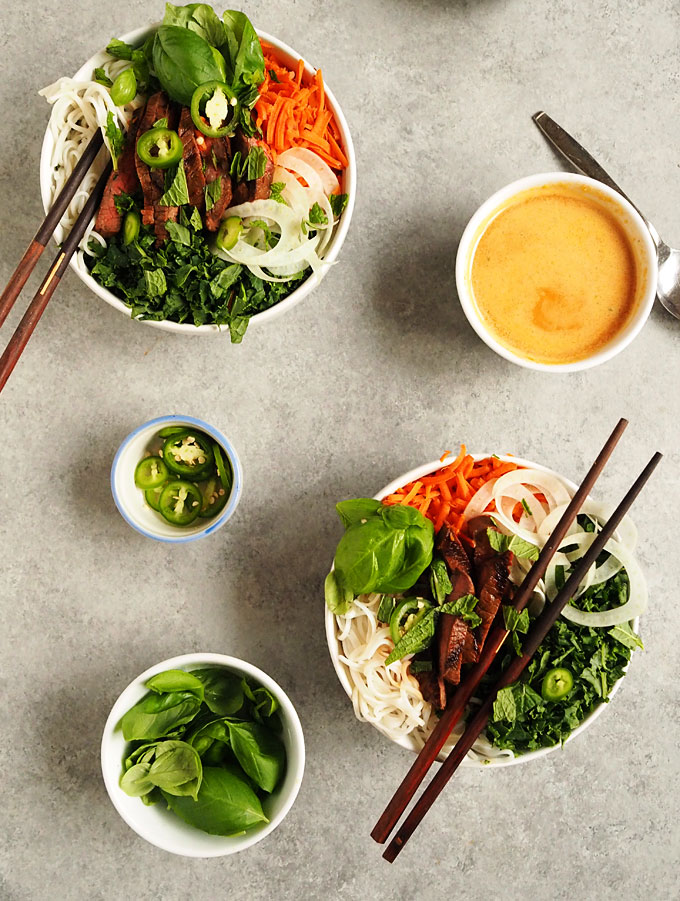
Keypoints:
(218, 490)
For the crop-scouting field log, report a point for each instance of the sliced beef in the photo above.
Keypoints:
(123, 180)
(453, 634)
(432, 688)
(193, 161)
(492, 578)
(259, 188)
(216, 155)
(152, 180)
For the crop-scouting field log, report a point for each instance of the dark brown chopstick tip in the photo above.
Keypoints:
(538, 115)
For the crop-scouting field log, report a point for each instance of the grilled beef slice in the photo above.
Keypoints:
(193, 161)
(216, 154)
(492, 578)
(258, 188)
(452, 631)
(123, 180)
(152, 179)
(432, 688)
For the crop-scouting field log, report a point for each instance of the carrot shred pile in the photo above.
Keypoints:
(443, 496)
(293, 114)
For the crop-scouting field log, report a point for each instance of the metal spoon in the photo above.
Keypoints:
(668, 285)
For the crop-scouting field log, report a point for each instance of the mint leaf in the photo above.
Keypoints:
(515, 621)
(176, 190)
(179, 233)
(518, 546)
(416, 639)
(276, 192)
(154, 282)
(100, 76)
(624, 634)
(516, 644)
(463, 607)
(504, 707)
(213, 192)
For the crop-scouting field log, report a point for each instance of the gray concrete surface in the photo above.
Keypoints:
(375, 373)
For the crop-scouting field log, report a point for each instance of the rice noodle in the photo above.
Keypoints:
(79, 108)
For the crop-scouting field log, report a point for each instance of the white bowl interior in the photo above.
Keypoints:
(130, 499)
(636, 231)
(159, 825)
(342, 670)
(288, 56)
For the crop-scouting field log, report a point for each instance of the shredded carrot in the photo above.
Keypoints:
(444, 495)
(293, 114)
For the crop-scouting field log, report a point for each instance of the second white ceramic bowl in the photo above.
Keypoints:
(159, 825)
(348, 186)
(635, 229)
(408, 742)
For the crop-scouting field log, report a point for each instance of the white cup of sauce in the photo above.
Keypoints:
(536, 285)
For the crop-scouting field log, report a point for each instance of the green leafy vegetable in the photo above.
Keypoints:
(119, 49)
(213, 192)
(176, 189)
(251, 167)
(157, 715)
(259, 751)
(355, 510)
(338, 203)
(100, 76)
(176, 680)
(155, 284)
(518, 546)
(198, 17)
(225, 805)
(176, 769)
(179, 233)
(243, 55)
(439, 580)
(223, 691)
(183, 60)
(386, 608)
(338, 598)
(115, 139)
(276, 190)
(504, 706)
(416, 639)
(624, 634)
(465, 608)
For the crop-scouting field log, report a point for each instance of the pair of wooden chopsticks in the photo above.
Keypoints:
(458, 703)
(19, 277)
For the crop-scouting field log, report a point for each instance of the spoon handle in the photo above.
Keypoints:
(581, 160)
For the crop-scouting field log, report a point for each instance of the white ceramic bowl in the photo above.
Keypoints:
(130, 500)
(159, 825)
(408, 742)
(627, 216)
(288, 56)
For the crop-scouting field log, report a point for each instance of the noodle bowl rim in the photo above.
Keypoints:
(407, 742)
(348, 180)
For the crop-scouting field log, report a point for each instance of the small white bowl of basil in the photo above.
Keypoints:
(216, 760)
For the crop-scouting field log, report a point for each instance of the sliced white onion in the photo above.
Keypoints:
(291, 159)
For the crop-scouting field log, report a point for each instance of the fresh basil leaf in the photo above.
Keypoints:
(175, 680)
(356, 510)
(463, 607)
(177, 769)
(154, 282)
(386, 608)
(213, 192)
(179, 233)
(99, 75)
(504, 707)
(439, 580)
(418, 545)
(135, 781)
(401, 516)
(115, 139)
(624, 634)
(183, 60)
(367, 554)
(243, 54)
(176, 190)
(416, 639)
(223, 691)
(119, 49)
(226, 804)
(266, 704)
(156, 715)
(259, 751)
(198, 17)
(338, 203)
(339, 599)
(518, 546)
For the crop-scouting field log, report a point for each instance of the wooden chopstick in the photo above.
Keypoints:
(27, 263)
(24, 330)
(531, 643)
(456, 706)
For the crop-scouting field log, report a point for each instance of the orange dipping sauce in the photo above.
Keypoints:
(554, 274)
